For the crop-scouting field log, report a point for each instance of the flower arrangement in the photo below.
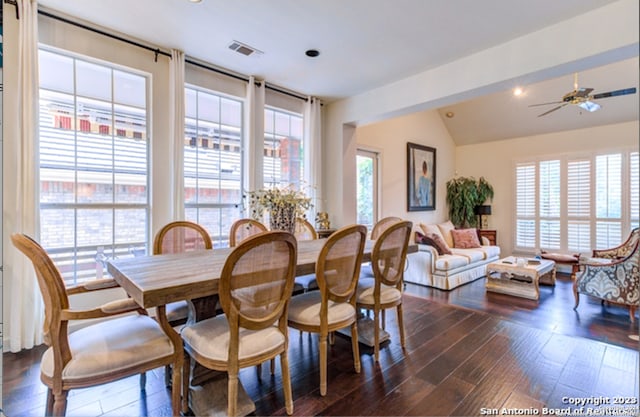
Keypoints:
(284, 205)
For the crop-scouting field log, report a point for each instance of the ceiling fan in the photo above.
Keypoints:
(583, 98)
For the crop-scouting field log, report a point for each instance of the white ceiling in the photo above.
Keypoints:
(365, 44)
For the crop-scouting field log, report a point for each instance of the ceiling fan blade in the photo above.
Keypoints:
(552, 110)
(622, 92)
(545, 104)
(589, 106)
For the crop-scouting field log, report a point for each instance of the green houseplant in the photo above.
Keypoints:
(463, 195)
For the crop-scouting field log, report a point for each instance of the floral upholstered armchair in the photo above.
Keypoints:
(613, 275)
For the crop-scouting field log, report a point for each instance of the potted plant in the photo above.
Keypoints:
(463, 195)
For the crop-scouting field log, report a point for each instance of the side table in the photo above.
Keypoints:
(324, 233)
(492, 235)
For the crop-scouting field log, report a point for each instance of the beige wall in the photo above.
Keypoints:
(492, 160)
(390, 138)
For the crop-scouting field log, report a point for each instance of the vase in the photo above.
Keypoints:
(283, 217)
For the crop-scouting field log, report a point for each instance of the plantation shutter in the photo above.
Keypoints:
(579, 205)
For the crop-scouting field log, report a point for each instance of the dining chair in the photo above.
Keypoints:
(385, 289)
(255, 289)
(333, 307)
(178, 237)
(244, 228)
(99, 353)
(305, 231)
(382, 225)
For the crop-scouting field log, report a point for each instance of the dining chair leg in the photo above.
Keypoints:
(376, 334)
(400, 324)
(232, 394)
(332, 338)
(355, 347)
(176, 385)
(186, 370)
(60, 403)
(273, 366)
(384, 319)
(50, 401)
(323, 364)
(259, 370)
(286, 381)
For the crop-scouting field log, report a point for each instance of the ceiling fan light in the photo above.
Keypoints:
(589, 106)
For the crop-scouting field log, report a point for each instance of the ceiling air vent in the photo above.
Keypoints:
(243, 49)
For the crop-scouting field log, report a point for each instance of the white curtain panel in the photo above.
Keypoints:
(177, 112)
(313, 152)
(25, 312)
(254, 122)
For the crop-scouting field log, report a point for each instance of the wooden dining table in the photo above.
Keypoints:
(157, 280)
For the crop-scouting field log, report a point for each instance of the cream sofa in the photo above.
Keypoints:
(447, 272)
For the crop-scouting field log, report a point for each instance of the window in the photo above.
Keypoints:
(367, 188)
(283, 149)
(575, 204)
(93, 165)
(213, 162)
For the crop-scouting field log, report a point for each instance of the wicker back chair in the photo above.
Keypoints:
(244, 228)
(305, 230)
(99, 353)
(333, 307)
(255, 289)
(382, 225)
(385, 289)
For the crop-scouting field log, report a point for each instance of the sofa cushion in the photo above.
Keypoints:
(445, 230)
(434, 240)
(561, 257)
(465, 238)
(474, 255)
(448, 262)
(490, 251)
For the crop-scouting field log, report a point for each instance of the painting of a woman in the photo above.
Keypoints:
(421, 162)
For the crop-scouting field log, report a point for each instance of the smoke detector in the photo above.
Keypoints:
(244, 49)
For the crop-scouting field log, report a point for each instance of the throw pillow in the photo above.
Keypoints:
(465, 238)
(445, 231)
(434, 241)
(431, 228)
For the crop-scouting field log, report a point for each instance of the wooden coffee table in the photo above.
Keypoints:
(506, 277)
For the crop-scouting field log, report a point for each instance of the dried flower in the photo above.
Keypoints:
(274, 198)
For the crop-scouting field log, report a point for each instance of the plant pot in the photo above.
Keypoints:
(283, 217)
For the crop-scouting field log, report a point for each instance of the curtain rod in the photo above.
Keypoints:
(158, 51)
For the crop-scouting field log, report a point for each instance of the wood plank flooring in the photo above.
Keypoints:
(467, 353)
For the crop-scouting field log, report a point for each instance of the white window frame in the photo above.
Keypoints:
(626, 220)
(99, 253)
(220, 237)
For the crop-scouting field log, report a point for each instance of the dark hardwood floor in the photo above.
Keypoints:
(467, 353)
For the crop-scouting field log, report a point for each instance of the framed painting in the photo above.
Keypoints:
(421, 177)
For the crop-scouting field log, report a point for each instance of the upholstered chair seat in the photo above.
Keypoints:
(306, 310)
(210, 338)
(366, 287)
(107, 347)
